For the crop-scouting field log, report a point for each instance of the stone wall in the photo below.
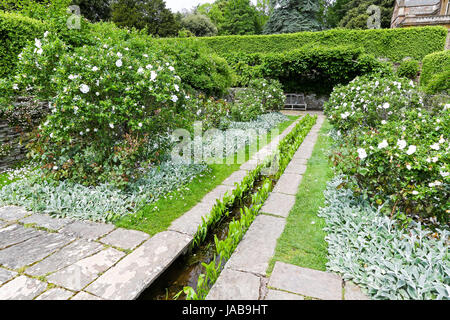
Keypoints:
(13, 137)
(313, 101)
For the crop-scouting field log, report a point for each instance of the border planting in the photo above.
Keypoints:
(373, 251)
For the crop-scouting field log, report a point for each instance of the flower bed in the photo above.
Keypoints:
(105, 202)
(375, 252)
(396, 147)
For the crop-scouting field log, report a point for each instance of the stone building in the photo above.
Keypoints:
(413, 13)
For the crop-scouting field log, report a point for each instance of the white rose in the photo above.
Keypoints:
(383, 144)
(119, 63)
(84, 88)
(411, 150)
(362, 153)
(401, 144)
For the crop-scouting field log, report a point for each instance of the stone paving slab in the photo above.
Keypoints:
(353, 292)
(139, 269)
(254, 252)
(87, 229)
(13, 213)
(75, 251)
(15, 233)
(235, 285)
(249, 165)
(288, 184)
(303, 154)
(279, 204)
(189, 222)
(46, 221)
(77, 276)
(22, 288)
(125, 239)
(296, 167)
(32, 250)
(85, 296)
(307, 282)
(55, 294)
(235, 177)
(217, 194)
(281, 295)
(6, 275)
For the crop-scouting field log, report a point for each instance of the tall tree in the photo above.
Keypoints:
(239, 17)
(356, 15)
(150, 14)
(94, 10)
(200, 25)
(293, 16)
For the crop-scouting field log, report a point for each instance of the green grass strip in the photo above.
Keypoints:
(302, 241)
(158, 216)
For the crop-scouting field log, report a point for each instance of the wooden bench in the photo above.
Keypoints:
(295, 101)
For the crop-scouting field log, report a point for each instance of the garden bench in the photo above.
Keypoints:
(295, 101)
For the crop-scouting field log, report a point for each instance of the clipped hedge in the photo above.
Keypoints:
(433, 64)
(15, 31)
(309, 69)
(395, 44)
(439, 84)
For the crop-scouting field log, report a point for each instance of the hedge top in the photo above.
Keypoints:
(394, 44)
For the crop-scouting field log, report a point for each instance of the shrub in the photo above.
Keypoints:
(310, 69)
(199, 68)
(110, 107)
(16, 31)
(209, 111)
(369, 100)
(434, 63)
(396, 150)
(439, 83)
(394, 44)
(408, 69)
(259, 97)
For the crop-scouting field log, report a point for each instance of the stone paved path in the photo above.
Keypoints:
(244, 276)
(44, 258)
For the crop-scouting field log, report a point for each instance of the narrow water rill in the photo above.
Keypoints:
(186, 270)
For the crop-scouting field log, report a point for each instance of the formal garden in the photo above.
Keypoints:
(127, 129)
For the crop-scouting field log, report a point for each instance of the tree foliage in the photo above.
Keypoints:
(200, 25)
(150, 14)
(239, 18)
(356, 15)
(94, 10)
(293, 16)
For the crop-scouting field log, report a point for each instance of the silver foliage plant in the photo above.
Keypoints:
(100, 203)
(105, 202)
(390, 263)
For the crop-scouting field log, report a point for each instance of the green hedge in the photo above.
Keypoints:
(15, 31)
(408, 69)
(433, 64)
(394, 44)
(316, 69)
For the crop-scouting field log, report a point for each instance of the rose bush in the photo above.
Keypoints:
(398, 155)
(370, 100)
(259, 97)
(109, 105)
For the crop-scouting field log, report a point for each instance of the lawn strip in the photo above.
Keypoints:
(302, 242)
